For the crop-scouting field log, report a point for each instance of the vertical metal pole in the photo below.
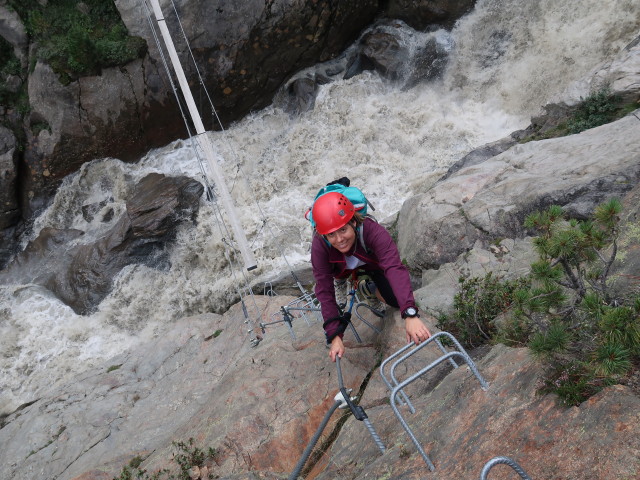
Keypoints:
(204, 141)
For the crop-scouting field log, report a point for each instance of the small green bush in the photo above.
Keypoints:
(76, 40)
(611, 359)
(586, 338)
(478, 302)
(554, 340)
(600, 107)
(573, 382)
(597, 109)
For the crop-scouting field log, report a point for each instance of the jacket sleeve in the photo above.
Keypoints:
(378, 239)
(325, 291)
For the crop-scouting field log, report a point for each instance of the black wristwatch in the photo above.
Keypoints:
(410, 312)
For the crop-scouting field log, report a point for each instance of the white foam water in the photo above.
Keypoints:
(508, 59)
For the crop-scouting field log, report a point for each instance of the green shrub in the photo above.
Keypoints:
(621, 326)
(598, 108)
(611, 359)
(76, 40)
(553, 341)
(586, 338)
(573, 382)
(478, 302)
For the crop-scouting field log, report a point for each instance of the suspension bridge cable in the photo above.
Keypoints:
(235, 155)
(217, 213)
(202, 84)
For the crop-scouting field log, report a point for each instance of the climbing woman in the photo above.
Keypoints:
(344, 242)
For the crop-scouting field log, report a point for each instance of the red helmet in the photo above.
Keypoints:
(331, 212)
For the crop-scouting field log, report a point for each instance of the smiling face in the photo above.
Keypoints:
(344, 238)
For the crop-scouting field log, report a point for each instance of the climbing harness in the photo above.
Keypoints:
(342, 400)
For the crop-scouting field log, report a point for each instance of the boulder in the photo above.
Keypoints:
(420, 14)
(81, 274)
(508, 259)
(387, 49)
(490, 200)
(9, 207)
(383, 50)
(13, 31)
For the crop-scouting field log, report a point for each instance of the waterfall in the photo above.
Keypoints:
(507, 59)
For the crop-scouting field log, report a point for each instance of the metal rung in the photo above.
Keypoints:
(506, 461)
(299, 307)
(397, 387)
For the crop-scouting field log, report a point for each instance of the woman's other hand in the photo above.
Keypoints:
(417, 331)
(337, 348)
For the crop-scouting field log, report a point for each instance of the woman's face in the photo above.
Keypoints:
(343, 239)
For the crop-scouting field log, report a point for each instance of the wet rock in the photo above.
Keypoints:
(421, 14)
(9, 206)
(384, 49)
(429, 61)
(81, 274)
(90, 211)
(301, 95)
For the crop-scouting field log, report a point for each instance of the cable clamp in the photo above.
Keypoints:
(344, 403)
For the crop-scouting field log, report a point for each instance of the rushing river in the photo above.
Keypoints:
(508, 58)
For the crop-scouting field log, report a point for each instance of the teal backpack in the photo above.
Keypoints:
(354, 195)
(342, 186)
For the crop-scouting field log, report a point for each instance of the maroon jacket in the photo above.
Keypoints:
(382, 254)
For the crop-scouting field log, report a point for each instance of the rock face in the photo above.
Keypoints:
(422, 13)
(81, 274)
(491, 199)
(260, 407)
(461, 427)
(9, 207)
(244, 52)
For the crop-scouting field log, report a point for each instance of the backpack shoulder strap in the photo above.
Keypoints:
(361, 234)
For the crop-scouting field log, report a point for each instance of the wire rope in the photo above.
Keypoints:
(210, 189)
(235, 155)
